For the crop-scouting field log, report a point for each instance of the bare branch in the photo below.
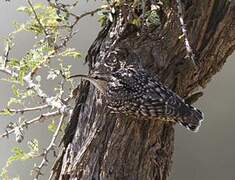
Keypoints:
(49, 148)
(6, 53)
(25, 109)
(189, 50)
(8, 72)
(61, 7)
(92, 12)
(40, 118)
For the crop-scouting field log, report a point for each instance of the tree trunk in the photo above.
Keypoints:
(105, 146)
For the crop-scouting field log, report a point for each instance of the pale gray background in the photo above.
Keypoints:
(207, 155)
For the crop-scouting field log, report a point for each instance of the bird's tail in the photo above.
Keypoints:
(190, 117)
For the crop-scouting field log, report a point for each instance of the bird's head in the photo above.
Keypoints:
(123, 78)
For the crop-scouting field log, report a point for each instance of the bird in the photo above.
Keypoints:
(134, 91)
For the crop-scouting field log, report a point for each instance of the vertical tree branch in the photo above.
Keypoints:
(189, 50)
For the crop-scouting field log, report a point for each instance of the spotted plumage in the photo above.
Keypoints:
(135, 92)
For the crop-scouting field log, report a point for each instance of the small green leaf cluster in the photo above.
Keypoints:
(20, 155)
(47, 16)
(153, 18)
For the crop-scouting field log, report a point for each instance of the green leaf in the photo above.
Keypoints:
(15, 91)
(137, 22)
(34, 148)
(153, 18)
(24, 9)
(20, 154)
(4, 174)
(14, 63)
(72, 53)
(13, 101)
(39, 6)
(28, 10)
(5, 112)
(52, 127)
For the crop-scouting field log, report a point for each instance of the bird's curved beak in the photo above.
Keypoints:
(99, 82)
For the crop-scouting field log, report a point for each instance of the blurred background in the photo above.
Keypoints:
(207, 155)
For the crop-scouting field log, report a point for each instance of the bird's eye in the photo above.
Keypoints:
(99, 77)
(96, 77)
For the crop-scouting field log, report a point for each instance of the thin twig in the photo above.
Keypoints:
(8, 72)
(189, 50)
(92, 12)
(37, 18)
(40, 118)
(61, 7)
(25, 109)
(6, 54)
(67, 5)
(49, 148)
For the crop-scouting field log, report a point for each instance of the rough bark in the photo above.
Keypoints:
(105, 146)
